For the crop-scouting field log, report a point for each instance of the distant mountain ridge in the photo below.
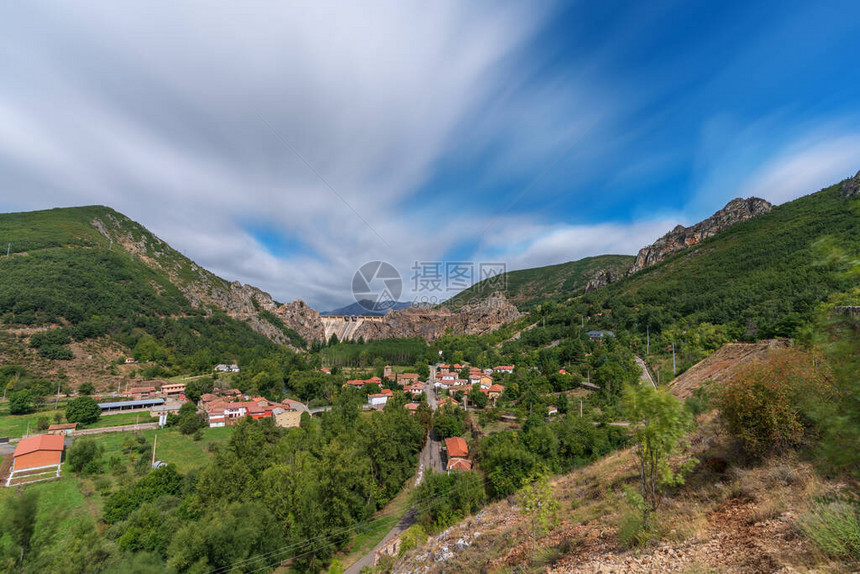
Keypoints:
(367, 308)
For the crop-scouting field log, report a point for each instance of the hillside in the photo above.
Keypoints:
(760, 278)
(114, 289)
(526, 288)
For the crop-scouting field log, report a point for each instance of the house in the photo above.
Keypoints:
(325, 370)
(444, 368)
(495, 391)
(551, 410)
(458, 464)
(223, 368)
(563, 372)
(407, 378)
(223, 412)
(411, 407)
(36, 458)
(460, 383)
(173, 389)
(207, 398)
(449, 401)
(387, 373)
(286, 418)
(62, 429)
(456, 447)
(414, 389)
(140, 392)
(598, 335)
(377, 399)
(459, 367)
(448, 377)
(130, 361)
(504, 369)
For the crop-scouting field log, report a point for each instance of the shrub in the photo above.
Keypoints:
(57, 352)
(42, 424)
(764, 403)
(834, 528)
(83, 452)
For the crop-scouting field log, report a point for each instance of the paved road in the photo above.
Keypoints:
(645, 377)
(367, 560)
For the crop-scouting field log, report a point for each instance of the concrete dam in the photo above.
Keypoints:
(345, 326)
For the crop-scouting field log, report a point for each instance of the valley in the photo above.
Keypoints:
(511, 431)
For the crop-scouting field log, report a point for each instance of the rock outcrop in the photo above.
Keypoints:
(602, 278)
(681, 237)
(484, 316)
(851, 187)
(302, 319)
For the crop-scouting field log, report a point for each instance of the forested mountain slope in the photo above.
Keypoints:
(760, 278)
(526, 288)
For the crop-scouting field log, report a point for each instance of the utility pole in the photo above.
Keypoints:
(57, 404)
(580, 408)
(673, 359)
(154, 444)
(8, 248)
(647, 340)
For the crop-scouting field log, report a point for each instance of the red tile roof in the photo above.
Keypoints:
(459, 464)
(497, 388)
(39, 442)
(457, 447)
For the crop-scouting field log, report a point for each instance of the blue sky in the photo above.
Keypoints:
(284, 145)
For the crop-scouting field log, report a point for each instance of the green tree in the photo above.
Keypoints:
(659, 422)
(21, 402)
(539, 504)
(82, 452)
(86, 388)
(83, 410)
(477, 398)
(19, 520)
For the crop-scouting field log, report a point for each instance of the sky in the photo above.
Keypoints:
(286, 144)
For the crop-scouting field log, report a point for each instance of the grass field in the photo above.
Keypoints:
(123, 419)
(61, 505)
(15, 426)
(172, 447)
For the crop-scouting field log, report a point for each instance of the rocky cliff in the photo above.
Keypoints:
(851, 187)
(681, 237)
(602, 278)
(482, 317)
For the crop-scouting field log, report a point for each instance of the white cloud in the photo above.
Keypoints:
(153, 110)
(804, 167)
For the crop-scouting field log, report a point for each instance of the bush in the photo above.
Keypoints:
(834, 528)
(57, 352)
(42, 424)
(83, 410)
(82, 453)
(764, 403)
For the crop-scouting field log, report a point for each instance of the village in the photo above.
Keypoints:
(39, 457)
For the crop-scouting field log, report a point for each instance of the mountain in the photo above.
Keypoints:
(526, 288)
(366, 307)
(76, 265)
(760, 277)
(681, 237)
